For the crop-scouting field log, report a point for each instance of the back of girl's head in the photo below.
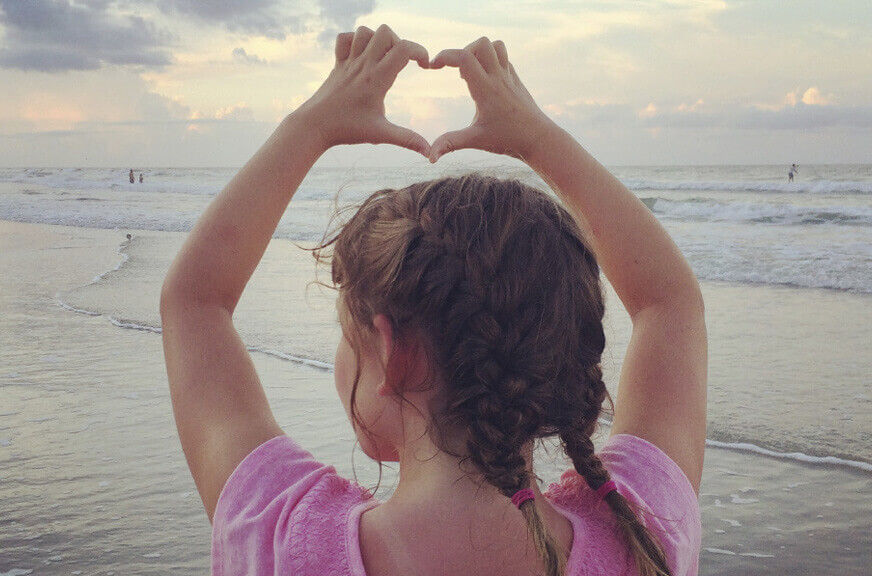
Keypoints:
(495, 278)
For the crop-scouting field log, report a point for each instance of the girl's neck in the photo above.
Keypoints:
(441, 516)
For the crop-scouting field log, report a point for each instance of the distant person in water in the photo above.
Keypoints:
(131, 177)
(140, 177)
(794, 169)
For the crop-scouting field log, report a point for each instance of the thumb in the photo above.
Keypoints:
(405, 138)
(451, 141)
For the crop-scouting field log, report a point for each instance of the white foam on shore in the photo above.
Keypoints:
(133, 325)
(326, 366)
(720, 551)
(736, 499)
(798, 456)
(97, 278)
(66, 306)
(799, 187)
(124, 259)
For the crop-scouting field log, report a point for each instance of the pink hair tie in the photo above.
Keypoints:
(522, 496)
(606, 489)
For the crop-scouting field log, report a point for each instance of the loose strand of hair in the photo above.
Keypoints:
(550, 551)
(646, 550)
(648, 554)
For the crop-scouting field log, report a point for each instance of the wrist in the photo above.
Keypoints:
(542, 136)
(307, 124)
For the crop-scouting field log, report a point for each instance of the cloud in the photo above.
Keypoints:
(105, 99)
(800, 116)
(240, 56)
(206, 121)
(56, 35)
(273, 18)
(583, 116)
(813, 97)
(63, 35)
(805, 117)
(238, 113)
(264, 18)
(685, 107)
(341, 16)
(649, 111)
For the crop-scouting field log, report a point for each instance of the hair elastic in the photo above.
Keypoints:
(522, 496)
(606, 488)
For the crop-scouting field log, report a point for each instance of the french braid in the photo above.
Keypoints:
(498, 279)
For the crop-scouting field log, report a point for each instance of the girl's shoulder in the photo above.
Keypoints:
(643, 473)
(280, 509)
(660, 492)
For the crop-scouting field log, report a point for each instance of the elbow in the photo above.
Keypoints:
(184, 293)
(690, 306)
(682, 299)
(179, 292)
(171, 296)
(694, 298)
(685, 294)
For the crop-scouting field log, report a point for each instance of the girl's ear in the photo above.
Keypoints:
(385, 337)
(384, 333)
(403, 361)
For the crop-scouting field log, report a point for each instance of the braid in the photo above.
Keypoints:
(498, 279)
(647, 552)
(496, 390)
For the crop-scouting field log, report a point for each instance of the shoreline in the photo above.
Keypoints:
(88, 449)
(711, 443)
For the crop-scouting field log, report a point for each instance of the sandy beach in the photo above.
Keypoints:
(92, 478)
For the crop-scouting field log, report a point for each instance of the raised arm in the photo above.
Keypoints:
(662, 391)
(221, 410)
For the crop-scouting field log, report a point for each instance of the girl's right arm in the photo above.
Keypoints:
(221, 410)
(662, 391)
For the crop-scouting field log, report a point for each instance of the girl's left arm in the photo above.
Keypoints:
(221, 410)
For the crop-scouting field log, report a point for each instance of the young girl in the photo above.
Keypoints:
(471, 313)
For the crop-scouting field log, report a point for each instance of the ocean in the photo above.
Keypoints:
(786, 269)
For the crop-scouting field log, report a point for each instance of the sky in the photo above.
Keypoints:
(145, 83)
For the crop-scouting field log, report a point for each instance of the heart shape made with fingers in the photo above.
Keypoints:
(367, 65)
(430, 102)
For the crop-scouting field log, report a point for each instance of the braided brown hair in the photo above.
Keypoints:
(497, 278)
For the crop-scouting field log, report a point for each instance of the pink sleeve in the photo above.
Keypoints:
(650, 479)
(256, 504)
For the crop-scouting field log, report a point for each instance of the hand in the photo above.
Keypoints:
(507, 120)
(349, 107)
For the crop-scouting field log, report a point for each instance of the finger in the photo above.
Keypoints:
(450, 57)
(382, 41)
(502, 53)
(470, 67)
(400, 55)
(514, 74)
(451, 141)
(362, 36)
(399, 136)
(485, 53)
(343, 46)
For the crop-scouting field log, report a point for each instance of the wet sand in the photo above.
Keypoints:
(92, 477)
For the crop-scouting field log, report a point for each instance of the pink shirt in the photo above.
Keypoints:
(284, 513)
